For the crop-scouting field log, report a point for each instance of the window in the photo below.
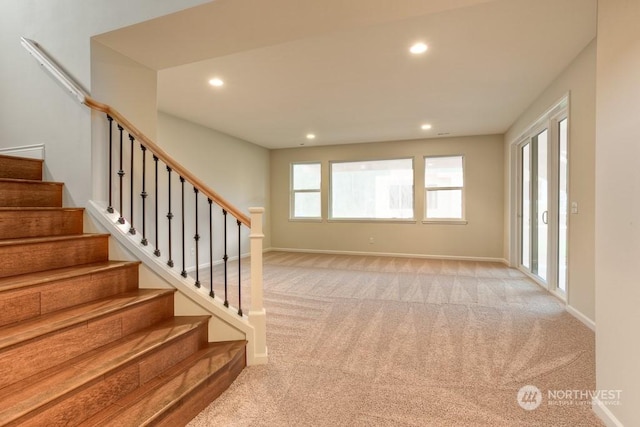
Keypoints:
(444, 186)
(305, 190)
(378, 189)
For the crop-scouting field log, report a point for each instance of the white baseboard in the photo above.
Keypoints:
(605, 414)
(28, 151)
(192, 268)
(581, 317)
(562, 297)
(391, 254)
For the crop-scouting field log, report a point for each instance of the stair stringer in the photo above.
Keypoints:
(224, 325)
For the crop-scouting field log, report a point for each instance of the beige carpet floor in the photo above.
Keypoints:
(381, 341)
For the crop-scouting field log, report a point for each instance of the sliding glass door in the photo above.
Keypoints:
(543, 211)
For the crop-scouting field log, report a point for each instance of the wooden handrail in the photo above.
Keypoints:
(256, 334)
(167, 159)
(81, 95)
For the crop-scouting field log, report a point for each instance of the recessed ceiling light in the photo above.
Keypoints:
(311, 136)
(425, 126)
(216, 82)
(418, 48)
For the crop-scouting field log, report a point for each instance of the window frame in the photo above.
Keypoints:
(463, 211)
(293, 192)
(331, 218)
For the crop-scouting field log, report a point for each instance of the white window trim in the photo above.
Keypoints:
(445, 221)
(293, 192)
(453, 221)
(377, 220)
(412, 220)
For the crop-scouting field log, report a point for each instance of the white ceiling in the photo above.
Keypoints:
(353, 80)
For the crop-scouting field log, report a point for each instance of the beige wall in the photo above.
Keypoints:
(578, 80)
(480, 238)
(126, 85)
(236, 169)
(34, 109)
(130, 88)
(618, 206)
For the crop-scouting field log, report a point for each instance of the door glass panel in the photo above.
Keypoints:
(563, 205)
(542, 212)
(535, 215)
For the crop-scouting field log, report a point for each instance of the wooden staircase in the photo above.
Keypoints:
(80, 344)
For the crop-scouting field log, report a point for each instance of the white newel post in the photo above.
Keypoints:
(257, 313)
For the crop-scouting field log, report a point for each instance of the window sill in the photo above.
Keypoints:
(305, 219)
(381, 220)
(446, 221)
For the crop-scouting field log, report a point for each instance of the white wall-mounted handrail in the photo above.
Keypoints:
(54, 69)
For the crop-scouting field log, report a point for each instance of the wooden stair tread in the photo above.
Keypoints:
(29, 192)
(171, 387)
(33, 393)
(38, 209)
(30, 181)
(40, 277)
(79, 342)
(30, 329)
(20, 167)
(32, 240)
(14, 157)
(18, 158)
(30, 254)
(17, 222)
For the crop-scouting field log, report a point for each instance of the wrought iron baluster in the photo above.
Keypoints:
(239, 269)
(144, 195)
(157, 251)
(212, 294)
(110, 207)
(183, 273)
(196, 237)
(121, 175)
(169, 217)
(225, 258)
(132, 230)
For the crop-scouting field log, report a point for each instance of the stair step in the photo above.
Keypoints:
(30, 193)
(35, 294)
(16, 222)
(79, 342)
(84, 386)
(181, 392)
(29, 255)
(36, 345)
(20, 167)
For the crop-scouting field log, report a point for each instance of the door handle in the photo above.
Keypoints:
(545, 217)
